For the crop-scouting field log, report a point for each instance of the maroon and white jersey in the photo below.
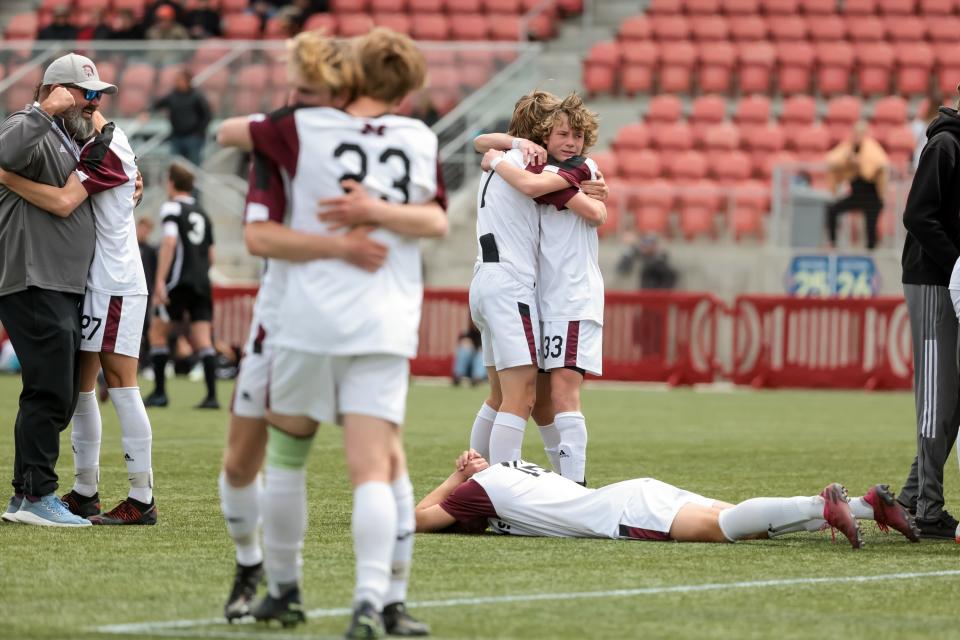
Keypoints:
(108, 171)
(523, 499)
(330, 306)
(570, 285)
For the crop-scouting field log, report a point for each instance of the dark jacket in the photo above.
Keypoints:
(189, 112)
(932, 215)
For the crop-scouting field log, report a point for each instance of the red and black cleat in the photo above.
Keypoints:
(80, 505)
(837, 513)
(128, 512)
(887, 512)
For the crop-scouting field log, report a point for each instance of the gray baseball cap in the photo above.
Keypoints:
(77, 70)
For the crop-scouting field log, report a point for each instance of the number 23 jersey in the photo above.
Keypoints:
(331, 306)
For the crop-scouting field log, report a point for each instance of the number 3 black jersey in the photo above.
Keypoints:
(182, 217)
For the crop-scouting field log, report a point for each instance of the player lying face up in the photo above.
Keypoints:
(520, 498)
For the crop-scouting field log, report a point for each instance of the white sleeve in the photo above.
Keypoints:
(171, 229)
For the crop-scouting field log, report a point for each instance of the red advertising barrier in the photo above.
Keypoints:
(822, 342)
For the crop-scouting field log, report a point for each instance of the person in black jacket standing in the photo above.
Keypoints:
(931, 285)
(189, 114)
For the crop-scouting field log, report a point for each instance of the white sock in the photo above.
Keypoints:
(551, 444)
(241, 511)
(506, 438)
(759, 515)
(374, 534)
(85, 438)
(480, 433)
(403, 547)
(573, 445)
(861, 509)
(284, 507)
(137, 439)
(809, 526)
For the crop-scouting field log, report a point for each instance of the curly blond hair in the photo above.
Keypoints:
(579, 117)
(529, 111)
(391, 64)
(324, 63)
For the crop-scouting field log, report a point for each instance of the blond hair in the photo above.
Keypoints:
(529, 111)
(323, 63)
(392, 65)
(579, 117)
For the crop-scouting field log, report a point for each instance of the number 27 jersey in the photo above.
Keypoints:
(330, 306)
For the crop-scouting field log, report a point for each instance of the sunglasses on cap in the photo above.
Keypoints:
(88, 94)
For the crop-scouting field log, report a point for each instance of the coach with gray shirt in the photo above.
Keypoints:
(43, 276)
(931, 285)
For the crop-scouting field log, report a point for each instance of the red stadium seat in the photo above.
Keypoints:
(709, 28)
(860, 7)
(349, 6)
(942, 29)
(353, 24)
(731, 167)
(501, 6)
(875, 67)
(897, 7)
(751, 201)
(900, 144)
(818, 7)
(505, 26)
(639, 64)
(635, 28)
(937, 7)
(827, 28)
(430, 26)
(652, 205)
(906, 29)
(91, 5)
(842, 113)
(717, 61)
(740, 7)
(254, 77)
(325, 22)
(632, 136)
(914, 64)
(471, 26)
(217, 82)
(672, 137)
(131, 103)
(773, 160)
(699, 202)
(665, 7)
(687, 167)
(599, 68)
(607, 163)
(708, 111)
(670, 28)
(464, 6)
(664, 108)
(865, 29)
(756, 63)
(787, 28)
(889, 111)
(399, 22)
(722, 137)
(136, 7)
(762, 141)
(640, 165)
(388, 6)
(748, 29)
(426, 6)
(22, 26)
(810, 143)
(796, 66)
(780, 7)
(703, 7)
(276, 27)
(752, 110)
(835, 65)
(234, 6)
(798, 111)
(676, 72)
(139, 77)
(445, 77)
(241, 26)
(246, 101)
(165, 80)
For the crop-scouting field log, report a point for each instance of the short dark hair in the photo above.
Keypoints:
(181, 177)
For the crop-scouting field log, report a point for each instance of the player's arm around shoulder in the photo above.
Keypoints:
(531, 152)
(358, 207)
(60, 201)
(591, 210)
(235, 132)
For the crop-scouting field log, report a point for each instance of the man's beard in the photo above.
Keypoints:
(77, 126)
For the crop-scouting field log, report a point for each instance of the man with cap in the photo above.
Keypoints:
(43, 277)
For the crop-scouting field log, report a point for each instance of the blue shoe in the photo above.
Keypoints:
(10, 515)
(49, 511)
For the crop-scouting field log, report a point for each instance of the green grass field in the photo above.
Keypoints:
(69, 583)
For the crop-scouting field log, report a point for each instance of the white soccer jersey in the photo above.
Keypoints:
(108, 171)
(330, 306)
(570, 285)
(508, 225)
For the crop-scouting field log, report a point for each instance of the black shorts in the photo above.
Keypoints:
(185, 301)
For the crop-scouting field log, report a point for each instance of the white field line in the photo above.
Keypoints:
(158, 628)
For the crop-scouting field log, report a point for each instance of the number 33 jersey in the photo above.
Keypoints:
(331, 306)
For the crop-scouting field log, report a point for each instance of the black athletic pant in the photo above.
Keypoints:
(44, 329)
(936, 388)
(863, 197)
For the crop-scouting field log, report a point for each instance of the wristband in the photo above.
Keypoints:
(516, 143)
(495, 162)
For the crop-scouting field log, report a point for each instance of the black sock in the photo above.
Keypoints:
(160, 372)
(210, 374)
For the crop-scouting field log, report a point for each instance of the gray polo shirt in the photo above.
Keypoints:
(39, 249)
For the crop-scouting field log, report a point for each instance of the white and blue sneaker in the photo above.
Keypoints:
(49, 511)
(10, 515)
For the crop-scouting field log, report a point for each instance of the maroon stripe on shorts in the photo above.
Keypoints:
(113, 324)
(528, 330)
(573, 337)
(636, 533)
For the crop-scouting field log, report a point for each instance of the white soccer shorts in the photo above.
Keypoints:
(326, 387)
(573, 343)
(653, 506)
(253, 375)
(112, 324)
(506, 314)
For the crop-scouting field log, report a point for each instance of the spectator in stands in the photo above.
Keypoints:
(189, 114)
(202, 21)
(656, 272)
(468, 359)
(60, 28)
(292, 20)
(150, 14)
(861, 162)
(95, 27)
(125, 26)
(310, 7)
(926, 113)
(165, 26)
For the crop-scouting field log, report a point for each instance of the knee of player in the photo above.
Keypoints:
(285, 451)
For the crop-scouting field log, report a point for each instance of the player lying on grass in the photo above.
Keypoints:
(520, 498)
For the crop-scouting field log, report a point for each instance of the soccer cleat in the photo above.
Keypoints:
(887, 512)
(943, 528)
(208, 403)
(128, 512)
(80, 505)
(48, 511)
(286, 609)
(156, 400)
(836, 511)
(366, 623)
(245, 583)
(10, 515)
(398, 622)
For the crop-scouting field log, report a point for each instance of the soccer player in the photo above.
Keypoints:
(319, 75)
(520, 498)
(182, 287)
(570, 287)
(114, 308)
(342, 350)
